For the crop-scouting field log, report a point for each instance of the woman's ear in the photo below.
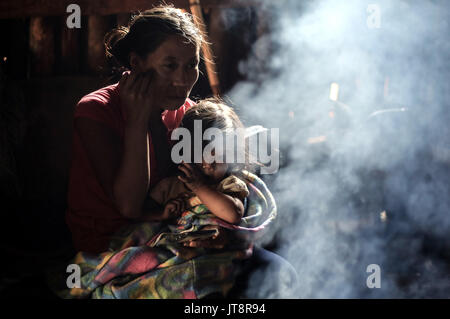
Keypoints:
(135, 62)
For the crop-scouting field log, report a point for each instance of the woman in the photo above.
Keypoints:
(120, 146)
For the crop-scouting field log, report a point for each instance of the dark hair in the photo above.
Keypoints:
(214, 113)
(147, 30)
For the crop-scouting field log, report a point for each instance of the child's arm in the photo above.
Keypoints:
(224, 206)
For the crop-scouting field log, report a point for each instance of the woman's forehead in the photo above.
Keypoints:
(176, 47)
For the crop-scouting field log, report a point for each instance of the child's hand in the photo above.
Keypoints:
(218, 241)
(193, 178)
(173, 208)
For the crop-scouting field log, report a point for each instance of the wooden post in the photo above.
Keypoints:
(98, 26)
(123, 19)
(42, 46)
(219, 44)
(70, 49)
(196, 11)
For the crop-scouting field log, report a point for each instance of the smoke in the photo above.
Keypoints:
(364, 179)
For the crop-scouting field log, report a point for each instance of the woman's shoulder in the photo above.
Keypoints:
(101, 105)
(103, 96)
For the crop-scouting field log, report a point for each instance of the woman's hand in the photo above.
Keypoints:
(193, 178)
(138, 96)
(173, 208)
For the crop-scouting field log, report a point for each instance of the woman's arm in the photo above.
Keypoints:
(122, 170)
(132, 180)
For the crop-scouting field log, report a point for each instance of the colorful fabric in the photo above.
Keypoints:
(143, 263)
(235, 186)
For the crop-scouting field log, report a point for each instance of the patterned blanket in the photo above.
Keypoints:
(149, 260)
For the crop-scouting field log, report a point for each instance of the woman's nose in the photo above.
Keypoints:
(180, 78)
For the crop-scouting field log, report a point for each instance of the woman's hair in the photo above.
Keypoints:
(148, 30)
(214, 113)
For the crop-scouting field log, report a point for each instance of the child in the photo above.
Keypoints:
(203, 188)
(150, 260)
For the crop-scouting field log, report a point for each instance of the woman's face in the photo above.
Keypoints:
(175, 65)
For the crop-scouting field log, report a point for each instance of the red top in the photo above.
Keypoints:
(91, 216)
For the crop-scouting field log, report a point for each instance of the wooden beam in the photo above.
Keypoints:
(217, 38)
(122, 19)
(98, 26)
(32, 8)
(70, 50)
(213, 78)
(10, 9)
(42, 46)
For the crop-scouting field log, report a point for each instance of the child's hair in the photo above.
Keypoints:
(214, 113)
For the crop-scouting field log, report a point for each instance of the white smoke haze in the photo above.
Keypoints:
(373, 188)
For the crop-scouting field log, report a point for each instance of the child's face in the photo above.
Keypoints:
(216, 171)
